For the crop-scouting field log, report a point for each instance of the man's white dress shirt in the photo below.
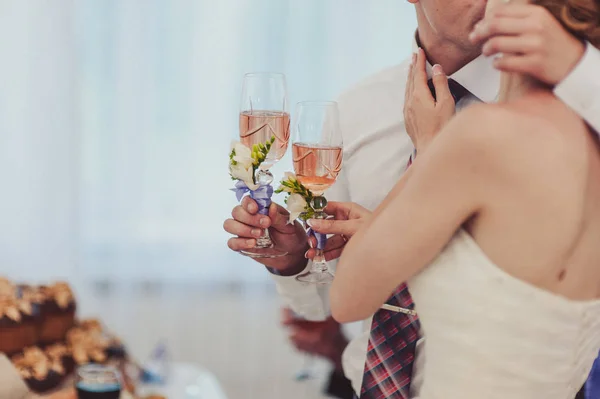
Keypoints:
(376, 151)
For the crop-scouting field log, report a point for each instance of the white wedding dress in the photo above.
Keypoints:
(489, 335)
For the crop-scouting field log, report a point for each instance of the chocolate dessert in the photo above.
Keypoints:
(17, 325)
(61, 353)
(33, 294)
(39, 333)
(7, 288)
(87, 346)
(39, 372)
(57, 312)
(115, 348)
(90, 325)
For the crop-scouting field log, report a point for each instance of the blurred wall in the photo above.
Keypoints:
(39, 140)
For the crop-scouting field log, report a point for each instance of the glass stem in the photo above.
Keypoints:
(306, 372)
(319, 263)
(264, 177)
(264, 241)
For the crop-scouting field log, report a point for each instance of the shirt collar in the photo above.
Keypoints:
(478, 76)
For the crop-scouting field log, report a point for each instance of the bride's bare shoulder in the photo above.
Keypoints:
(509, 138)
(523, 123)
(505, 123)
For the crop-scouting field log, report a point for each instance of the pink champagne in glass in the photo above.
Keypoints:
(258, 127)
(264, 118)
(317, 157)
(316, 166)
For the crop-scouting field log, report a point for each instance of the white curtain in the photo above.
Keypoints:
(39, 140)
(116, 118)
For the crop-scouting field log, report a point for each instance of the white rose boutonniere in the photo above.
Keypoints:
(298, 200)
(245, 174)
(243, 161)
(296, 205)
(241, 154)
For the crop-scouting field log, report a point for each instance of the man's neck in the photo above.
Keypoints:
(449, 55)
(514, 86)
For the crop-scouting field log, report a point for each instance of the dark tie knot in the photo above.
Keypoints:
(456, 89)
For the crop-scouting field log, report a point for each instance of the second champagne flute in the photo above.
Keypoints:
(317, 156)
(264, 119)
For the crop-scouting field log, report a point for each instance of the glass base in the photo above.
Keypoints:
(268, 252)
(304, 374)
(325, 277)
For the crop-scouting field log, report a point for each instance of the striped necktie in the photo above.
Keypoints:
(394, 335)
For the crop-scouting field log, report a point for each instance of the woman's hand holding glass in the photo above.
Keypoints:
(343, 221)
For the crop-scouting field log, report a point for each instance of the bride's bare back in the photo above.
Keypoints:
(540, 220)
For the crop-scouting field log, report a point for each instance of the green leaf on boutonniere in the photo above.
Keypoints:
(292, 186)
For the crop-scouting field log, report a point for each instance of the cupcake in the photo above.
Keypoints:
(18, 327)
(36, 298)
(90, 325)
(31, 293)
(7, 288)
(39, 372)
(115, 348)
(61, 353)
(87, 346)
(57, 312)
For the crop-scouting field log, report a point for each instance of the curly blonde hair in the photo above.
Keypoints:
(580, 17)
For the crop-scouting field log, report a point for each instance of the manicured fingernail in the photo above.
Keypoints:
(250, 243)
(256, 232)
(310, 244)
(252, 208)
(306, 254)
(264, 221)
(314, 223)
(437, 70)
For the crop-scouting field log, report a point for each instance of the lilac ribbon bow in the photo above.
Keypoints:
(320, 237)
(261, 195)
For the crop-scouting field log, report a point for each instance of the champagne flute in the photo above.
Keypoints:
(264, 117)
(317, 157)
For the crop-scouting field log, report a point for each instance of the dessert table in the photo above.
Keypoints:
(186, 381)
